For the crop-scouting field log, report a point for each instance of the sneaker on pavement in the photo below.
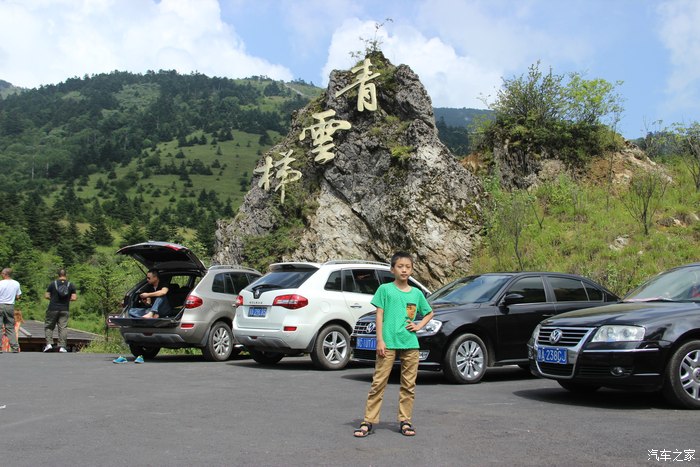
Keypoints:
(47, 347)
(120, 359)
(62, 350)
(139, 359)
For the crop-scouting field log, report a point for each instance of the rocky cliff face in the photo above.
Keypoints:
(392, 185)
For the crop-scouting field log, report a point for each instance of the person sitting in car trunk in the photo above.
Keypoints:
(157, 299)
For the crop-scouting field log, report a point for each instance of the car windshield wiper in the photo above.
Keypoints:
(444, 302)
(651, 299)
(267, 286)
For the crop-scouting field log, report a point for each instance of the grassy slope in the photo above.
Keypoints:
(576, 236)
(238, 158)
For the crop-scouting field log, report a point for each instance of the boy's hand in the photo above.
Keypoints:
(381, 349)
(412, 326)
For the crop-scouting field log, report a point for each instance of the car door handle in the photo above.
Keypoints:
(549, 315)
(356, 305)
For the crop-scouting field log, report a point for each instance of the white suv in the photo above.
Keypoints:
(308, 307)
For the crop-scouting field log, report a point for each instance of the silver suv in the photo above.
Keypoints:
(308, 307)
(202, 302)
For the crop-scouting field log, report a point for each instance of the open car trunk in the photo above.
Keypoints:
(179, 269)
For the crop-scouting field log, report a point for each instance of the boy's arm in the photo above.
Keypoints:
(381, 346)
(415, 326)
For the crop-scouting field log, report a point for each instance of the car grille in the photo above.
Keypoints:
(555, 369)
(570, 337)
(361, 327)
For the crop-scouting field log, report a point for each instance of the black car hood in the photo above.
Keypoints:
(163, 256)
(623, 313)
(440, 310)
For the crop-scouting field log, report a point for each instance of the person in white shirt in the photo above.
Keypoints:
(9, 292)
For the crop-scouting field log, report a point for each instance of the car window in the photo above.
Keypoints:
(567, 289)
(219, 283)
(594, 294)
(360, 281)
(334, 282)
(472, 289)
(291, 279)
(238, 281)
(385, 276)
(531, 288)
(181, 281)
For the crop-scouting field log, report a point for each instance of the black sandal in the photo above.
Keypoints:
(407, 429)
(360, 433)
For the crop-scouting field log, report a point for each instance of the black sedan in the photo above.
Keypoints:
(486, 320)
(649, 341)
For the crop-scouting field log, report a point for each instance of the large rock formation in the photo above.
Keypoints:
(392, 185)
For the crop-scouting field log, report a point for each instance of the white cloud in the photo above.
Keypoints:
(48, 41)
(679, 33)
(450, 79)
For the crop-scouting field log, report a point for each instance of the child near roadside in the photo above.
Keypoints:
(18, 322)
(397, 304)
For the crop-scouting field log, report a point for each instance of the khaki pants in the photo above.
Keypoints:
(53, 318)
(407, 393)
(7, 318)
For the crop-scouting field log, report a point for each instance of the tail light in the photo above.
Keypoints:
(239, 300)
(193, 301)
(292, 301)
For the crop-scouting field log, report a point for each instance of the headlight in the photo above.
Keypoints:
(430, 329)
(619, 334)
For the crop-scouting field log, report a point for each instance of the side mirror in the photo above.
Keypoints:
(512, 298)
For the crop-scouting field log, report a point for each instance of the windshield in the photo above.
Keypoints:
(472, 289)
(282, 279)
(682, 284)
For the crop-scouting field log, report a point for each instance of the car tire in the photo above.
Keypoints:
(465, 360)
(682, 377)
(148, 353)
(332, 348)
(578, 388)
(219, 344)
(265, 358)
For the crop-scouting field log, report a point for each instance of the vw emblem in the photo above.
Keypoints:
(371, 327)
(555, 336)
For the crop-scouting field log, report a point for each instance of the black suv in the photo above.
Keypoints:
(486, 320)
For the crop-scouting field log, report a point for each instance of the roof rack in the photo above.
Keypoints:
(355, 261)
(232, 266)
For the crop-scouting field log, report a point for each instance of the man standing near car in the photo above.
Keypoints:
(59, 293)
(9, 292)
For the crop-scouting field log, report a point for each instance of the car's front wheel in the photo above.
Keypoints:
(332, 348)
(147, 353)
(220, 343)
(264, 357)
(465, 360)
(576, 387)
(682, 379)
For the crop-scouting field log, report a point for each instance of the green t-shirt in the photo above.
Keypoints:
(393, 301)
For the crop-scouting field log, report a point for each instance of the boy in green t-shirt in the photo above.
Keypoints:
(397, 304)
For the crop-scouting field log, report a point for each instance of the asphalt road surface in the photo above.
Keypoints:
(81, 409)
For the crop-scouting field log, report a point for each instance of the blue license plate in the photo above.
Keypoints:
(552, 355)
(257, 312)
(366, 343)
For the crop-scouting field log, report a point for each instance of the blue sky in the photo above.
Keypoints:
(461, 49)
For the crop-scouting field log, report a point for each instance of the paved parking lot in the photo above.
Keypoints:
(66, 409)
